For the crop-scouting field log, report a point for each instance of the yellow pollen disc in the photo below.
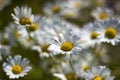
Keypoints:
(77, 5)
(98, 78)
(55, 9)
(70, 76)
(17, 69)
(86, 67)
(67, 46)
(94, 35)
(24, 21)
(16, 34)
(45, 48)
(33, 27)
(110, 33)
(103, 16)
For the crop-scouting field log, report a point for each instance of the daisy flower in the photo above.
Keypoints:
(16, 67)
(37, 26)
(15, 31)
(91, 35)
(98, 73)
(84, 63)
(67, 74)
(110, 31)
(34, 24)
(102, 13)
(53, 8)
(23, 16)
(66, 43)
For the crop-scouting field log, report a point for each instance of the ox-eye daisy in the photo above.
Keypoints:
(66, 43)
(89, 35)
(102, 13)
(53, 8)
(16, 67)
(23, 15)
(98, 73)
(110, 31)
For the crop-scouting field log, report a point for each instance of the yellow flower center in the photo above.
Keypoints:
(98, 78)
(16, 34)
(77, 5)
(94, 35)
(67, 46)
(45, 48)
(33, 27)
(110, 33)
(56, 9)
(70, 76)
(103, 16)
(24, 21)
(17, 69)
(86, 67)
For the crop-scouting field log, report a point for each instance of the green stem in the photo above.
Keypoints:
(28, 32)
(71, 65)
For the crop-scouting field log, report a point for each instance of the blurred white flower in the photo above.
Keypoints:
(98, 73)
(53, 8)
(102, 13)
(89, 35)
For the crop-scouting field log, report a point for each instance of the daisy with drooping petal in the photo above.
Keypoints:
(66, 43)
(102, 13)
(16, 67)
(98, 73)
(23, 16)
(110, 31)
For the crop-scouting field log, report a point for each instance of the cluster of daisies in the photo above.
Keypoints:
(69, 8)
(75, 51)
